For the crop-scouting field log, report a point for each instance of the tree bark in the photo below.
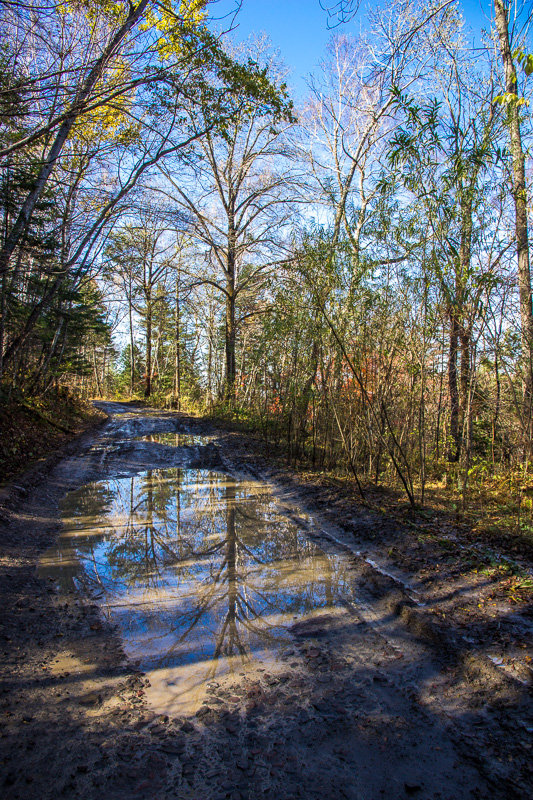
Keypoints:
(465, 339)
(132, 339)
(455, 448)
(177, 363)
(148, 383)
(520, 202)
(230, 338)
(230, 346)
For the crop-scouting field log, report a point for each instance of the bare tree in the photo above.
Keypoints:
(236, 200)
(511, 100)
(141, 252)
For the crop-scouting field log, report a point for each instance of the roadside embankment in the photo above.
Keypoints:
(35, 429)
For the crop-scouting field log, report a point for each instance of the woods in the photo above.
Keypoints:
(266, 399)
(347, 273)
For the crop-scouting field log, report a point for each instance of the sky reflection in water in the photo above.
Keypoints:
(201, 573)
(176, 439)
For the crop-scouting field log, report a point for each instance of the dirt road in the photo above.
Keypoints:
(312, 684)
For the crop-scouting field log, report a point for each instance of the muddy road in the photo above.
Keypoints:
(178, 624)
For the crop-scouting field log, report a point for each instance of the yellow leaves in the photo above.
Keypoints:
(193, 11)
(110, 121)
(190, 12)
(173, 24)
(525, 60)
(105, 124)
(509, 99)
(167, 20)
(115, 12)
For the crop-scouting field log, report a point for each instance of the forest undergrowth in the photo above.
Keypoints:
(494, 517)
(32, 429)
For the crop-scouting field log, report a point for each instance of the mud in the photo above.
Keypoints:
(368, 693)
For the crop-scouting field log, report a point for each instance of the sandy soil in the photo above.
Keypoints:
(420, 687)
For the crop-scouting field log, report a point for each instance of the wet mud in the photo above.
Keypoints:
(202, 575)
(179, 625)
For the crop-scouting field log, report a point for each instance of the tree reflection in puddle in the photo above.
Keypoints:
(202, 573)
(176, 439)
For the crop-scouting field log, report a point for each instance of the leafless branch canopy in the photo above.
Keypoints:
(340, 12)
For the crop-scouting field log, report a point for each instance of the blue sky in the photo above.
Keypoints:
(299, 28)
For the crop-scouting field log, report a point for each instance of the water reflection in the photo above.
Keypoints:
(201, 573)
(176, 439)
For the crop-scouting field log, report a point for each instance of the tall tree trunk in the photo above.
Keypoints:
(148, 383)
(132, 343)
(230, 319)
(14, 347)
(465, 338)
(42, 369)
(210, 338)
(177, 361)
(104, 366)
(96, 375)
(230, 347)
(496, 414)
(2, 323)
(520, 202)
(307, 393)
(455, 448)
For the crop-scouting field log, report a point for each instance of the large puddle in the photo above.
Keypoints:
(176, 439)
(202, 574)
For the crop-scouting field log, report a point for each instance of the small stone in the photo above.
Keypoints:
(90, 699)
